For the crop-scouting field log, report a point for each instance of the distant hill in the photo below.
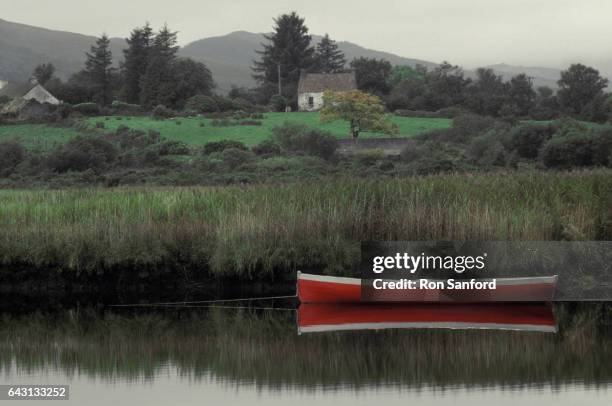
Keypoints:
(23, 47)
(541, 76)
(229, 57)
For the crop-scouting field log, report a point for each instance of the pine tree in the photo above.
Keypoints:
(329, 59)
(44, 73)
(99, 70)
(136, 61)
(158, 83)
(289, 48)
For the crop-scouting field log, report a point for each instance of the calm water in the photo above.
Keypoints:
(229, 356)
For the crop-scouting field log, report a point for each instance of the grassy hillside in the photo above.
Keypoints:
(191, 131)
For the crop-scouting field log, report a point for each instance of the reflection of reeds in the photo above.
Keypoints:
(241, 346)
(242, 229)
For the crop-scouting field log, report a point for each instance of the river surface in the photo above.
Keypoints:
(218, 356)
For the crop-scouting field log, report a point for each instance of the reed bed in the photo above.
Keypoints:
(244, 230)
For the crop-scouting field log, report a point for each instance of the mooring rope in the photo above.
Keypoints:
(189, 303)
(213, 306)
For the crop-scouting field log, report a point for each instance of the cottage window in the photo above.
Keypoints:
(311, 101)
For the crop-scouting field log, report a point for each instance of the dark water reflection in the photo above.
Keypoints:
(209, 356)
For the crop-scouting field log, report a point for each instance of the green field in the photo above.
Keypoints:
(37, 136)
(190, 131)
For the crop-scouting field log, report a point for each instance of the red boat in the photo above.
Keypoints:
(331, 289)
(335, 317)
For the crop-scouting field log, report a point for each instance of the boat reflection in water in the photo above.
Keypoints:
(319, 317)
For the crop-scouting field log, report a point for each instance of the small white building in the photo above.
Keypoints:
(28, 91)
(312, 86)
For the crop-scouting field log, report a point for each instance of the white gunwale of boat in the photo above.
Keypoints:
(530, 280)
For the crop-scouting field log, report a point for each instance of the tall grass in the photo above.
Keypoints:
(240, 230)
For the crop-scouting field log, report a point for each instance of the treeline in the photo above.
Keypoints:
(581, 90)
(581, 93)
(150, 74)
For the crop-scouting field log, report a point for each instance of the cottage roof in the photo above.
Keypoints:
(321, 82)
(13, 90)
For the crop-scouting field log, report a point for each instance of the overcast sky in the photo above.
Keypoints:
(466, 32)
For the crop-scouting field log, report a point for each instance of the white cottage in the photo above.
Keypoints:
(312, 86)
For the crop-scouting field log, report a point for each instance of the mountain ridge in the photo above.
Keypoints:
(228, 56)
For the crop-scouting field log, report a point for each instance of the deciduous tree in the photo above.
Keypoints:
(363, 111)
(372, 74)
(521, 94)
(579, 86)
(191, 78)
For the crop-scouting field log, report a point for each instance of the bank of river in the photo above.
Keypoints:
(125, 237)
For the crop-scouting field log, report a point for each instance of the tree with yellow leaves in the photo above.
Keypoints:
(363, 111)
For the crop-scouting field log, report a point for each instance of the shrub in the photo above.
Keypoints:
(243, 104)
(469, 126)
(201, 104)
(527, 140)
(161, 112)
(488, 149)
(224, 122)
(578, 149)
(301, 138)
(87, 109)
(128, 138)
(434, 165)
(431, 157)
(368, 157)
(12, 153)
(451, 112)
(119, 107)
(278, 103)
(122, 129)
(220, 146)
(173, 148)
(266, 147)
(82, 153)
(224, 103)
(234, 157)
(250, 122)
(100, 124)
